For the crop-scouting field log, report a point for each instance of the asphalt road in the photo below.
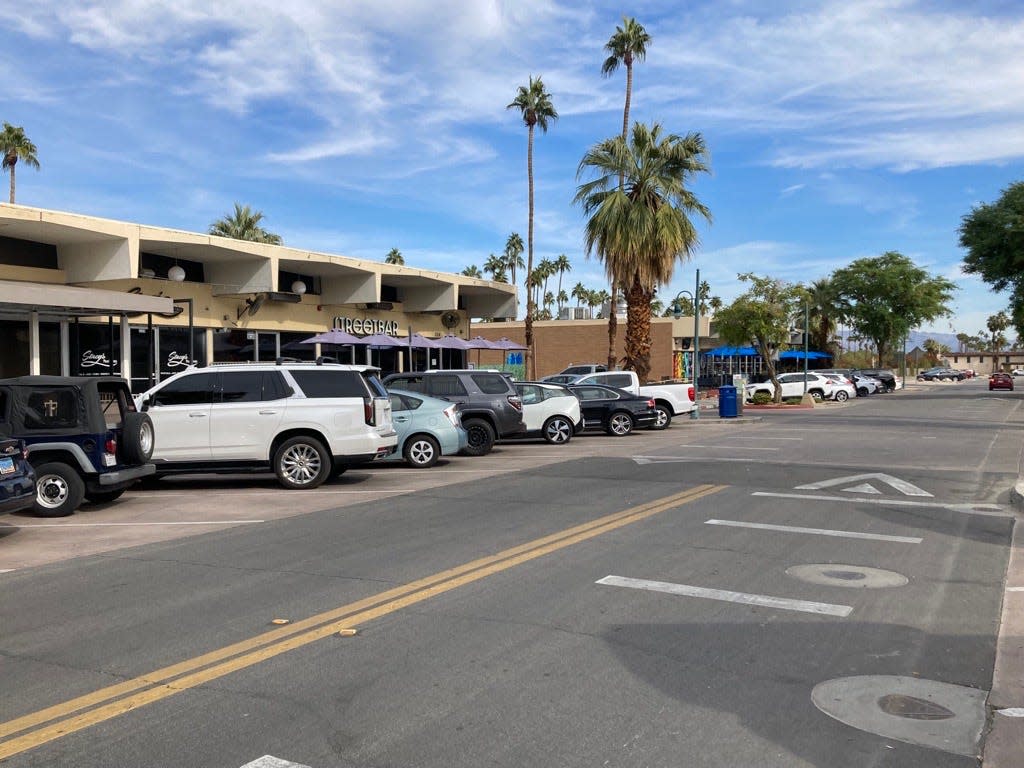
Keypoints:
(819, 588)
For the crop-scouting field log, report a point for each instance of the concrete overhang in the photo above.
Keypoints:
(481, 298)
(71, 300)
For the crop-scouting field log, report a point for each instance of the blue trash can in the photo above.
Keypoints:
(727, 404)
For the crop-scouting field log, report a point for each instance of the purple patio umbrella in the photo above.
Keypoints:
(479, 342)
(451, 341)
(416, 341)
(506, 343)
(381, 341)
(333, 336)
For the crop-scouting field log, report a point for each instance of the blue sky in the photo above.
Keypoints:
(837, 130)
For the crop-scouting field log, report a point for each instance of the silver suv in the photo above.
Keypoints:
(305, 421)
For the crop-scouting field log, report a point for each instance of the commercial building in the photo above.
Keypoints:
(81, 295)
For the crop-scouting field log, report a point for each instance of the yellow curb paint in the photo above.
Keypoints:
(193, 672)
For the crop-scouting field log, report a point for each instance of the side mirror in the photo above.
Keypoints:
(144, 403)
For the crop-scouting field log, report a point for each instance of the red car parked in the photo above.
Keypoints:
(1000, 381)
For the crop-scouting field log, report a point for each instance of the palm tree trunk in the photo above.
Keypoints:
(11, 166)
(638, 329)
(531, 362)
(613, 321)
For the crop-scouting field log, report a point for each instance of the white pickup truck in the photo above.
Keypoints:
(670, 398)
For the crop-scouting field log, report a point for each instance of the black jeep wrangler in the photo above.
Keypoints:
(84, 435)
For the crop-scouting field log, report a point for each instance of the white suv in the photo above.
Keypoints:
(305, 421)
(819, 387)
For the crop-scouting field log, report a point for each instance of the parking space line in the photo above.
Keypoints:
(743, 598)
(993, 510)
(112, 525)
(156, 495)
(728, 447)
(817, 531)
(758, 437)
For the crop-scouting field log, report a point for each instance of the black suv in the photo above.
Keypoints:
(84, 436)
(488, 403)
(886, 377)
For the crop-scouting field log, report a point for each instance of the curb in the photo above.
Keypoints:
(1004, 743)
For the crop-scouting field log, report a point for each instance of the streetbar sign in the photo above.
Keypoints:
(366, 325)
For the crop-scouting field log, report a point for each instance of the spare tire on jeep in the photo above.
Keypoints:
(137, 438)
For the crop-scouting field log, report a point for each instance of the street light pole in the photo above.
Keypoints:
(806, 329)
(677, 311)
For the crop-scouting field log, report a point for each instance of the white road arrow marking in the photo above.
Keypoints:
(907, 489)
(269, 761)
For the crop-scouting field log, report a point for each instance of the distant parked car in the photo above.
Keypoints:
(941, 374)
(583, 370)
(616, 411)
(886, 377)
(562, 378)
(1017, 372)
(550, 410)
(819, 386)
(1000, 380)
(844, 387)
(427, 428)
(17, 478)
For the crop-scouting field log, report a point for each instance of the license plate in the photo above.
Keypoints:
(109, 459)
(6, 466)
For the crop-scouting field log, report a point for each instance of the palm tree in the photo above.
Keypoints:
(244, 224)
(996, 324)
(641, 229)
(628, 44)
(473, 271)
(395, 257)
(545, 269)
(822, 312)
(563, 299)
(562, 265)
(537, 110)
(514, 254)
(579, 292)
(495, 267)
(598, 299)
(15, 146)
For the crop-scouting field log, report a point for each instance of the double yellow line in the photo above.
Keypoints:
(76, 714)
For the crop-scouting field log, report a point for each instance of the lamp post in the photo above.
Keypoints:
(806, 329)
(677, 312)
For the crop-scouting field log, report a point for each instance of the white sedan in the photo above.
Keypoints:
(550, 411)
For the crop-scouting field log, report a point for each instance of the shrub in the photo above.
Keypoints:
(761, 398)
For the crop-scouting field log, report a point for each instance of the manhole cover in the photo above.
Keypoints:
(913, 708)
(843, 575)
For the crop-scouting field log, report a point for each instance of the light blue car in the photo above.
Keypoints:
(427, 427)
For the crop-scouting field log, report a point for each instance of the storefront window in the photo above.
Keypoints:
(292, 346)
(241, 346)
(95, 349)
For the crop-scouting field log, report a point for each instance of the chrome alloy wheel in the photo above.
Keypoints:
(421, 452)
(301, 464)
(558, 430)
(51, 491)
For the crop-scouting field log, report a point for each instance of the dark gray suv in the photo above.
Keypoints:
(488, 403)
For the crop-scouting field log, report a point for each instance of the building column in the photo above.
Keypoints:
(33, 343)
(65, 348)
(126, 349)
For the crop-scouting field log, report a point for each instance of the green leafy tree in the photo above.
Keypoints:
(761, 317)
(962, 340)
(244, 224)
(15, 146)
(883, 297)
(394, 257)
(993, 235)
(473, 271)
(627, 45)
(641, 229)
(537, 111)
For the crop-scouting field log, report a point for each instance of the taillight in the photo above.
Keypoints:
(651, 403)
(691, 394)
(111, 446)
(24, 452)
(368, 410)
(516, 402)
(453, 417)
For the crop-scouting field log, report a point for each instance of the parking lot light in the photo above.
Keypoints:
(677, 312)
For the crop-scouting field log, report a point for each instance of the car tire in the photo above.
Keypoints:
(421, 451)
(842, 396)
(103, 497)
(59, 490)
(863, 392)
(301, 463)
(620, 424)
(558, 430)
(481, 437)
(664, 419)
(817, 394)
(137, 438)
